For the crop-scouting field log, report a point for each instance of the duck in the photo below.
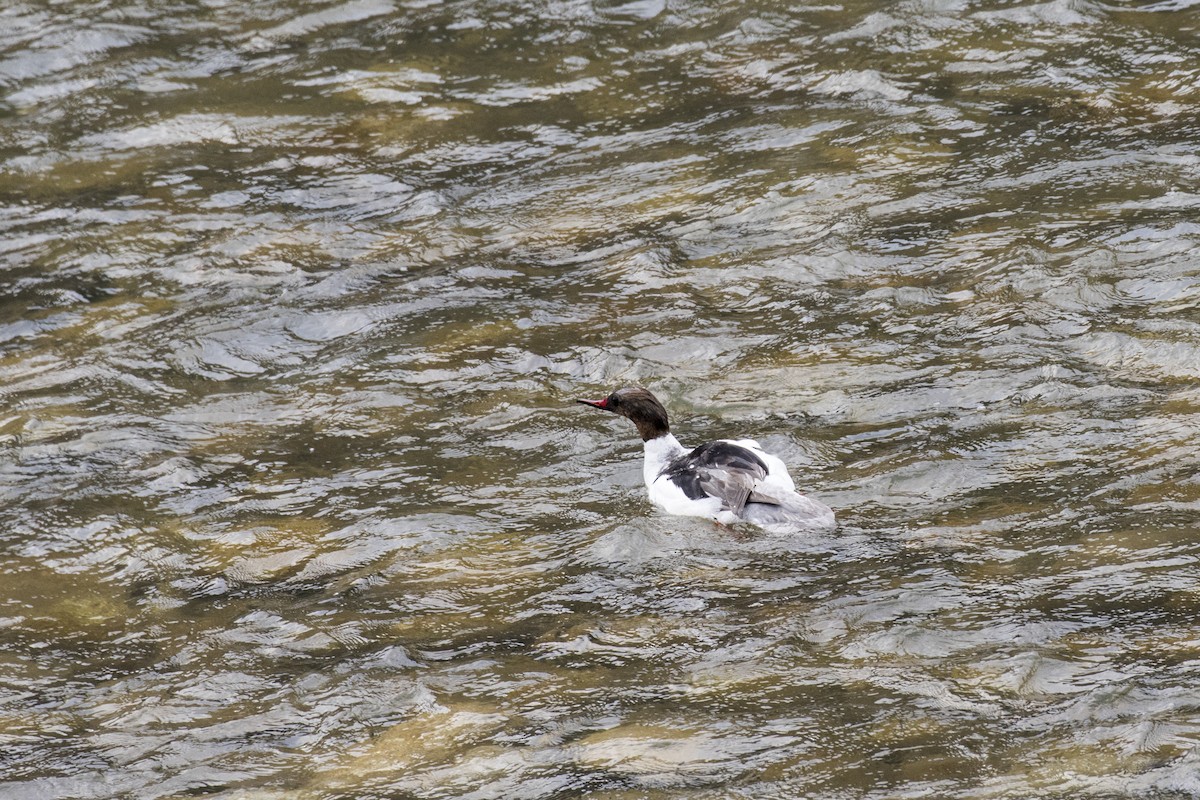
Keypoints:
(728, 480)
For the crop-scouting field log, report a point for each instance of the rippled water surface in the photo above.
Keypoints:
(295, 504)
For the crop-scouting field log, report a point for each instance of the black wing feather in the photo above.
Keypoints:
(723, 470)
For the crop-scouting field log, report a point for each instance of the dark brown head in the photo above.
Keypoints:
(640, 406)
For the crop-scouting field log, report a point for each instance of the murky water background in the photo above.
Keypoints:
(294, 502)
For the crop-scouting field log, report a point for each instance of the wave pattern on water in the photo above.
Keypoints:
(296, 295)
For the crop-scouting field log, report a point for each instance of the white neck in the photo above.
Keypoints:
(658, 453)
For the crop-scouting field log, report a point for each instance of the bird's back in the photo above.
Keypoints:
(733, 481)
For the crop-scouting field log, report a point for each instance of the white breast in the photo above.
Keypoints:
(670, 498)
(665, 494)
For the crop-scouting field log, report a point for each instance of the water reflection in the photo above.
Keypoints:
(294, 503)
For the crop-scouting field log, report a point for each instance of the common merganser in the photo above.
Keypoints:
(727, 480)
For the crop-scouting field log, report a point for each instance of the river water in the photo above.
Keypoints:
(296, 295)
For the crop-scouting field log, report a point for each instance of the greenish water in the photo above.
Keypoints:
(294, 503)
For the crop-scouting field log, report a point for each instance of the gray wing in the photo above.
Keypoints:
(732, 487)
